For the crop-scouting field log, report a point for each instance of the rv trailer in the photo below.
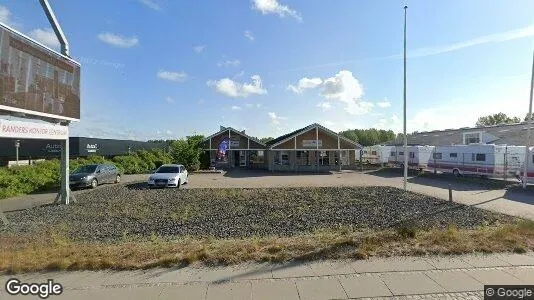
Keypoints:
(418, 156)
(377, 154)
(488, 160)
(530, 168)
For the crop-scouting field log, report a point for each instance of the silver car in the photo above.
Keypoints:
(169, 175)
(93, 175)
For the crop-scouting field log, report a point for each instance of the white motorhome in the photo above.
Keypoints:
(418, 156)
(499, 161)
(530, 168)
(377, 154)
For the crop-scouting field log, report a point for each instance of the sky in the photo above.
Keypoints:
(163, 69)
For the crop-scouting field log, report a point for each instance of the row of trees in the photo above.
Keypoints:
(369, 137)
(498, 119)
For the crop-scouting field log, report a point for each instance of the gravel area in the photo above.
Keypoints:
(112, 212)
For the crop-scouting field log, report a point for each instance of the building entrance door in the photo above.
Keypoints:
(242, 158)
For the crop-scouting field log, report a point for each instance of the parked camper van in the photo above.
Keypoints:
(498, 161)
(418, 156)
(377, 154)
(530, 168)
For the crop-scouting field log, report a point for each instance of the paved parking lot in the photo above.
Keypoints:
(510, 201)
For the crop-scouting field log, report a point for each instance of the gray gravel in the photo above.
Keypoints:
(113, 212)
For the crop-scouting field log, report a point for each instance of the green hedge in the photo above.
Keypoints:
(44, 175)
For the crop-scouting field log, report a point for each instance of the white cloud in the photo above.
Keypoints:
(233, 89)
(235, 107)
(325, 105)
(518, 33)
(5, 15)
(239, 74)
(384, 104)
(151, 4)
(199, 49)
(45, 36)
(305, 83)
(346, 88)
(273, 7)
(172, 76)
(168, 132)
(248, 35)
(275, 119)
(229, 63)
(169, 100)
(118, 40)
(252, 105)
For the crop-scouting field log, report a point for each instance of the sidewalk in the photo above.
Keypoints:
(433, 277)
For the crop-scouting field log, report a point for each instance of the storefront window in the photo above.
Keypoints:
(303, 158)
(324, 158)
(281, 158)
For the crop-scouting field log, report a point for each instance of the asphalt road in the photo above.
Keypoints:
(512, 201)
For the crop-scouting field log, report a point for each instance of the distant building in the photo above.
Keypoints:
(513, 134)
(78, 147)
(312, 148)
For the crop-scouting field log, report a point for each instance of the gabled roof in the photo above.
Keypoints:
(288, 136)
(223, 129)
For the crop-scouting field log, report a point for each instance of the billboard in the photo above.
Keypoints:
(36, 80)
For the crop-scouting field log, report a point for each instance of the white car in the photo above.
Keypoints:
(169, 175)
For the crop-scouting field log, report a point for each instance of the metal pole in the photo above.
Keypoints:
(56, 27)
(65, 189)
(405, 182)
(529, 124)
(17, 145)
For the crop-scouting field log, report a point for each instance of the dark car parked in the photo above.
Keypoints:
(93, 175)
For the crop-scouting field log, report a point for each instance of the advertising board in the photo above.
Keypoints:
(36, 80)
(32, 130)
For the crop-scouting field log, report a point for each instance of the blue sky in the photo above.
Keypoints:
(167, 69)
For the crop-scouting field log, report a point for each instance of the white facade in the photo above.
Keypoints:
(377, 154)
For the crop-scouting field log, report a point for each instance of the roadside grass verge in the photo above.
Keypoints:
(54, 250)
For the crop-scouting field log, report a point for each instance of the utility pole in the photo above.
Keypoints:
(529, 124)
(405, 182)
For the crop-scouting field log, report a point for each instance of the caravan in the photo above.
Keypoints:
(377, 154)
(489, 160)
(530, 168)
(418, 156)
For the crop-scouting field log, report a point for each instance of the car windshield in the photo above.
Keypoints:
(168, 170)
(86, 169)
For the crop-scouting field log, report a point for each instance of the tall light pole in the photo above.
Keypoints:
(404, 96)
(529, 124)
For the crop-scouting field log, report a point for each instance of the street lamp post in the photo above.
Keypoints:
(405, 182)
(17, 146)
(529, 124)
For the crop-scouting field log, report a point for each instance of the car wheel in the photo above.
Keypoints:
(456, 172)
(118, 179)
(94, 183)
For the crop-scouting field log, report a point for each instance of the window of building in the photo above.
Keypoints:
(412, 154)
(472, 138)
(393, 153)
(285, 158)
(478, 157)
(256, 157)
(401, 153)
(373, 152)
(344, 157)
(324, 158)
(437, 155)
(451, 155)
(364, 151)
(303, 158)
(533, 159)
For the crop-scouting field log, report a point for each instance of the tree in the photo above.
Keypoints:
(187, 151)
(369, 137)
(496, 119)
(526, 117)
(266, 139)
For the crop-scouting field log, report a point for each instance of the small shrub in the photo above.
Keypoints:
(407, 231)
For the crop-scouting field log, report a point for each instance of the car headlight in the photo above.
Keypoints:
(172, 179)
